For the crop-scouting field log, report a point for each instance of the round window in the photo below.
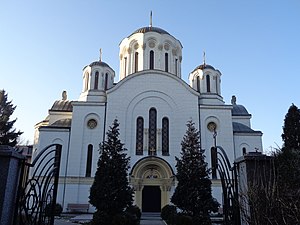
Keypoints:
(211, 126)
(92, 123)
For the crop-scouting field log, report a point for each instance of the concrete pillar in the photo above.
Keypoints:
(10, 164)
(254, 170)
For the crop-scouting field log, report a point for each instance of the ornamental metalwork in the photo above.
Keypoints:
(165, 136)
(139, 136)
(37, 189)
(152, 131)
(228, 176)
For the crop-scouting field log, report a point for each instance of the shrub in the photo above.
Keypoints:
(57, 209)
(168, 214)
(182, 219)
(101, 218)
(134, 210)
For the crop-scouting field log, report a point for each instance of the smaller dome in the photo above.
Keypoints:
(62, 105)
(241, 128)
(204, 66)
(239, 110)
(150, 29)
(97, 63)
(62, 123)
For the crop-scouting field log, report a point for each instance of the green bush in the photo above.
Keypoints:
(182, 219)
(101, 218)
(168, 214)
(134, 210)
(57, 209)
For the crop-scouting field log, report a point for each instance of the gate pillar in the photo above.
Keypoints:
(10, 167)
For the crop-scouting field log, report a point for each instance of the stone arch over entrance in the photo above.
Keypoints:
(152, 176)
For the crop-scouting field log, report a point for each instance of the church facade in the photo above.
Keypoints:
(152, 104)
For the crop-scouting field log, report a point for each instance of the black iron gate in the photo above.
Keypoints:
(228, 176)
(37, 190)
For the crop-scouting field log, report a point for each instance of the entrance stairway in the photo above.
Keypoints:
(151, 218)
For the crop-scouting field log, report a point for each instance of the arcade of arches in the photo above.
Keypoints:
(152, 179)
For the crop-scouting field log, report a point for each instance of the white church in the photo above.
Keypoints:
(152, 104)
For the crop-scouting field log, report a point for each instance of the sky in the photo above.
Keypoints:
(44, 46)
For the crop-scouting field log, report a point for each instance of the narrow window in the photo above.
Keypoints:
(139, 135)
(176, 66)
(136, 62)
(151, 60)
(152, 131)
(106, 81)
(166, 62)
(89, 161)
(198, 83)
(207, 83)
(96, 80)
(125, 66)
(244, 151)
(165, 136)
(214, 160)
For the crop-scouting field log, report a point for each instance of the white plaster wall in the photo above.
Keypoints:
(136, 94)
(252, 143)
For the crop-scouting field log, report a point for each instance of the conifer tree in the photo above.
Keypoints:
(291, 128)
(193, 192)
(110, 193)
(8, 134)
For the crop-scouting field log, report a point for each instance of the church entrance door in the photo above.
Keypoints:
(151, 199)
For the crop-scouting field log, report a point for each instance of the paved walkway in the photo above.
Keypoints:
(146, 219)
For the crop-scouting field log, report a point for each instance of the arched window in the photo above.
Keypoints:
(151, 60)
(198, 83)
(166, 62)
(152, 131)
(136, 62)
(139, 135)
(89, 159)
(96, 80)
(165, 136)
(207, 83)
(176, 66)
(244, 151)
(106, 81)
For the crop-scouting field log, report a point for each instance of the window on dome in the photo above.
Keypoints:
(176, 66)
(151, 60)
(136, 62)
(198, 83)
(89, 158)
(165, 136)
(96, 80)
(152, 131)
(106, 81)
(207, 83)
(166, 62)
(244, 151)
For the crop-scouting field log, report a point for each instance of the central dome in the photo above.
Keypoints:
(150, 29)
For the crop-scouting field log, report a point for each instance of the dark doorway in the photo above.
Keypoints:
(151, 199)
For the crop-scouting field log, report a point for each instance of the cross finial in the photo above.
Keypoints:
(100, 58)
(204, 58)
(150, 19)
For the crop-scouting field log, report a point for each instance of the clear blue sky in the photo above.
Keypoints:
(255, 44)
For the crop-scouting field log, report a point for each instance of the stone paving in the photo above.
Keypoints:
(146, 219)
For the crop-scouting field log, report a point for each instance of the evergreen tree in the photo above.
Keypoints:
(291, 128)
(193, 192)
(110, 192)
(8, 134)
